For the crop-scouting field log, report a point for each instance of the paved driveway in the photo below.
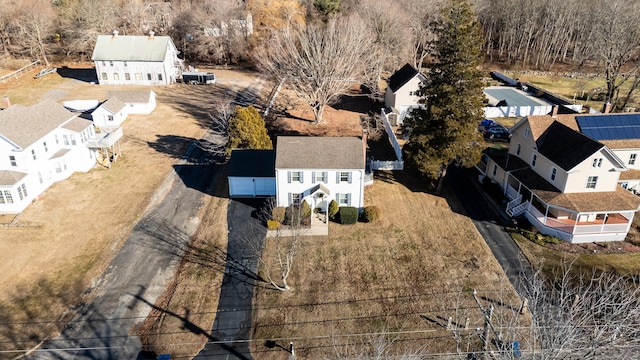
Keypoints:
(232, 325)
(490, 220)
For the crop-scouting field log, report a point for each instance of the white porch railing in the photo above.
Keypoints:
(386, 165)
(512, 193)
(518, 209)
(606, 228)
(515, 202)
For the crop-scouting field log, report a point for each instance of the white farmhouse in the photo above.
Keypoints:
(312, 169)
(136, 60)
(40, 145)
(319, 169)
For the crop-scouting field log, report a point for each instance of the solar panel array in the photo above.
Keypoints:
(610, 127)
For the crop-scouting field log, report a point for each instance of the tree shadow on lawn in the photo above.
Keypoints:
(358, 103)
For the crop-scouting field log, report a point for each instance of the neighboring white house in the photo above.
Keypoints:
(402, 92)
(110, 114)
(136, 60)
(565, 183)
(40, 145)
(138, 101)
(312, 169)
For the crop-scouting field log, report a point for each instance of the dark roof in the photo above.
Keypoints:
(401, 77)
(315, 152)
(505, 160)
(252, 163)
(566, 147)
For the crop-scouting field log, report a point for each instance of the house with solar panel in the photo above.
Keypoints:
(561, 174)
(136, 60)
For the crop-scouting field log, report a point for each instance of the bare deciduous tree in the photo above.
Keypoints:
(275, 259)
(320, 61)
(34, 22)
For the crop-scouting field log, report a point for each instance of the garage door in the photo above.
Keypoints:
(265, 186)
(250, 187)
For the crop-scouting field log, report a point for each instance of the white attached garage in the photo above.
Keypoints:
(252, 173)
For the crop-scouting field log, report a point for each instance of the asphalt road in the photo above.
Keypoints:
(232, 325)
(490, 219)
(137, 275)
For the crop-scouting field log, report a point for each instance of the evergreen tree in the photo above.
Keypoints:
(247, 130)
(444, 130)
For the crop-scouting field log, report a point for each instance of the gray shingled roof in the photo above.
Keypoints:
(132, 96)
(114, 105)
(78, 124)
(301, 152)
(9, 178)
(25, 125)
(130, 48)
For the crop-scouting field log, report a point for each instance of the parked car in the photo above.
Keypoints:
(486, 123)
(497, 132)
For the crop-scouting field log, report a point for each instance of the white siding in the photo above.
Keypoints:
(354, 187)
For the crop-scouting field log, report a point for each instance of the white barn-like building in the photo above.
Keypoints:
(136, 60)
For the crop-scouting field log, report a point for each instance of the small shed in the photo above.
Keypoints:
(252, 173)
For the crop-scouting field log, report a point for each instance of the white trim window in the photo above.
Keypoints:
(534, 158)
(495, 170)
(12, 160)
(46, 148)
(632, 159)
(295, 176)
(33, 154)
(552, 176)
(295, 199)
(344, 176)
(518, 149)
(319, 176)
(592, 181)
(343, 199)
(7, 198)
(526, 133)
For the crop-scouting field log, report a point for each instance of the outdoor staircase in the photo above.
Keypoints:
(517, 209)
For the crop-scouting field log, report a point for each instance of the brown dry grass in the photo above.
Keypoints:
(403, 273)
(77, 225)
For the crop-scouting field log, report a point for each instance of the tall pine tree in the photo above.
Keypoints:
(444, 130)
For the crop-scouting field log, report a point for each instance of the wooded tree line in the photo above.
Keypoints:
(536, 34)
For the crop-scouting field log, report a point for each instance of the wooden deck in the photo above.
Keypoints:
(610, 220)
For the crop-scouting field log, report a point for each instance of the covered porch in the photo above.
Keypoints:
(574, 217)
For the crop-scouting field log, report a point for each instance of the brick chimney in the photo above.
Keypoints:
(115, 33)
(151, 33)
(7, 102)
(555, 111)
(606, 108)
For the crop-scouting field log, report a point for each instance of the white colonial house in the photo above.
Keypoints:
(564, 182)
(312, 169)
(136, 60)
(401, 94)
(40, 145)
(318, 170)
